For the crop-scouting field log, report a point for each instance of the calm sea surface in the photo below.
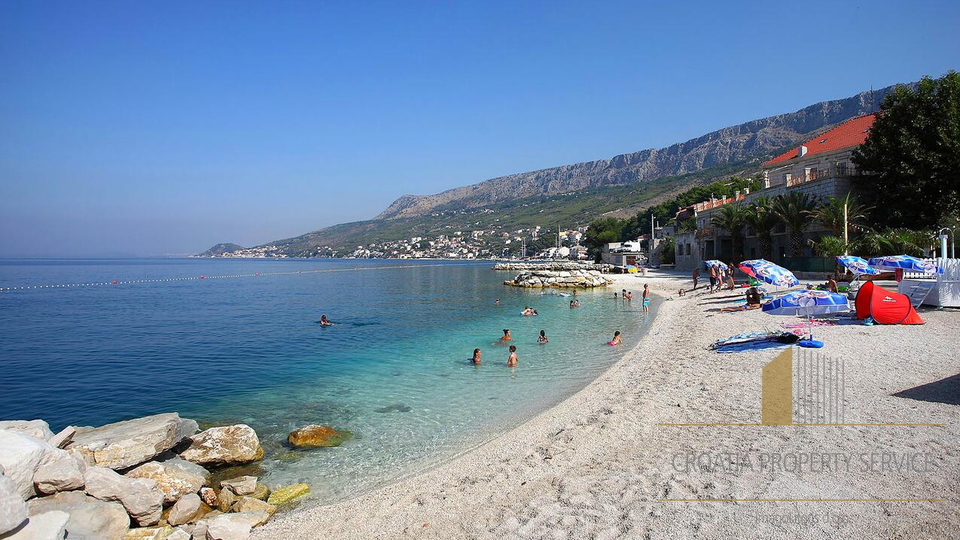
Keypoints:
(394, 370)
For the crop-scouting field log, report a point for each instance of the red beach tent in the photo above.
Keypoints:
(885, 307)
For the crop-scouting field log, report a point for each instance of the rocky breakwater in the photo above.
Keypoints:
(572, 279)
(557, 266)
(145, 478)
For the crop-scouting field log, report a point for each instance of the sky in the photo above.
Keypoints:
(162, 128)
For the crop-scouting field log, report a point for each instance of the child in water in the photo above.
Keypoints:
(506, 336)
(543, 338)
(512, 360)
(476, 357)
(616, 339)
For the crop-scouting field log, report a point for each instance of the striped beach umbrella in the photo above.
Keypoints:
(807, 303)
(857, 265)
(768, 272)
(904, 262)
(714, 262)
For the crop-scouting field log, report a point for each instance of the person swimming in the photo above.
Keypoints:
(324, 321)
(476, 357)
(506, 336)
(498, 301)
(529, 312)
(543, 337)
(616, 339)
(512, 359)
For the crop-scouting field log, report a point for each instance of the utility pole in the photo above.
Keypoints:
(845, 234)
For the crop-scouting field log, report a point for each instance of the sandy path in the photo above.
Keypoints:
(598, 464)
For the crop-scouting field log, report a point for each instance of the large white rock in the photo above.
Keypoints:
(20, 456)
(241, 485)
(141, 497)
(61, 471)
(227, 445)
(63, 438)
(230, 527)
(185, 509)
(38, 429)
(89, 518)
(46, 526)
(124, 444)
(13, 511)
(175, 476)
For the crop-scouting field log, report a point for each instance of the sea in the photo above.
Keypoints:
(89, 342)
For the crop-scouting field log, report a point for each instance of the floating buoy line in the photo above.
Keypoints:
(225, 276)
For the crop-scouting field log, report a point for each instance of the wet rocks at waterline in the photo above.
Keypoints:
(141, 478)
(572, 279)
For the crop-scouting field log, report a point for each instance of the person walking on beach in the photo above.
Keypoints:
(696, 276)
(506, 336)
(616, 339)
(646, 298)
(512, 360)
(476, 357)
(713, 277)
(543, 338)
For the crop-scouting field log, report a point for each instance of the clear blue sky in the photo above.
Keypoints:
(152, 128)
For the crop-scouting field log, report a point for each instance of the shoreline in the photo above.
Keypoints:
(598, 464)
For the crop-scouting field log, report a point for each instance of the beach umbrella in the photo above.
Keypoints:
(904, 262)
(714, 262)
(768, 272)
(810, 302)
(857, 265)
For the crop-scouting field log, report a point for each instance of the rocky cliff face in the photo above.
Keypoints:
(730, 144)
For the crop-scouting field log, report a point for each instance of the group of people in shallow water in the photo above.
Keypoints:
(627, 296)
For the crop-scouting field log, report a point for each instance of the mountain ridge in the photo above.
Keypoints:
(729, 144)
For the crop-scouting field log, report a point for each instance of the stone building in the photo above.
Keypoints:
(820, 167)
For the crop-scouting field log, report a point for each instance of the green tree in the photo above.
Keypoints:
(911, 158)
(830, 214)
(603, 231)
(667, 254)
(761, 219)
(732, 218)
(795, 211)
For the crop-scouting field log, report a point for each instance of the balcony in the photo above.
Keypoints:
(835, 171)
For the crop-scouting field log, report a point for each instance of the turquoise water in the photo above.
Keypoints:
(394, 370)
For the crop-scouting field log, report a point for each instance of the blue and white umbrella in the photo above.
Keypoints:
(904, 262)
(807, 303)
(768, 272)
(714, 262)
(857, 265)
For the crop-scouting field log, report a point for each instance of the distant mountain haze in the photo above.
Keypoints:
(726, 151)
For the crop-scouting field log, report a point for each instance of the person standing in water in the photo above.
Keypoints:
(506, 336)
(476, 357)
(646, 298)
(498, 301)
(616, 339)
(512, 360)
(543, 338)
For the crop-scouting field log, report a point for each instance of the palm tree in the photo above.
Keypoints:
(732, 218)
(762, 220)
(795, 211)
(830, 214)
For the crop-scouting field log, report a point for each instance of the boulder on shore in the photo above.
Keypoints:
(63, 471)
(241, 485)
(89, 517)
(185, 509)
(124, 444)
(46, 526)
(38, 429)
(175, 476)
(227, 445)
(20, 456)
(250, 504)
(314, 436)
(141, 497)
(13, 511)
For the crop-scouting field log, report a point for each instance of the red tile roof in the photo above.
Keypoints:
(850, 133)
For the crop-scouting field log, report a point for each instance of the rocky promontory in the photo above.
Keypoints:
(556, 266)
(572, 279)
(145, 478)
